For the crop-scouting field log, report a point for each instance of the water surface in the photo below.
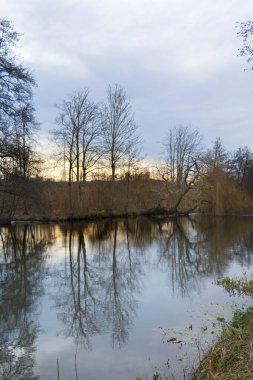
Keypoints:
(116, 299)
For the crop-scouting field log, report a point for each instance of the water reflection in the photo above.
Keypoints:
(180, 255)
(22, 268)
(97, 292)
(226, 239)
(192, 248)
(102, 269)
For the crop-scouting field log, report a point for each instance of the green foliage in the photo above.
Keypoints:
(240, 286)
(241, 317)
(156, 376)
(221, 319)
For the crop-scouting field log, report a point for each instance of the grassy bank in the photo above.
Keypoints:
(231, 358)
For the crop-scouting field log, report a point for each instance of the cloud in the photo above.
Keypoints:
(176, 58)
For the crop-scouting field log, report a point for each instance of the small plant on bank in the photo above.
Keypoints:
(240, 286)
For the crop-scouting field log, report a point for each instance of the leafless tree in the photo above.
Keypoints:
(241, 168)
(246, 32)
(17, 114)
(181, 151)
(181, 162)
(121, 142)
(26, 161)
(16, 82)
(77, 135)
(217, 157)
(240, 163)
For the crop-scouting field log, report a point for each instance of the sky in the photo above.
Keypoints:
(177, 60)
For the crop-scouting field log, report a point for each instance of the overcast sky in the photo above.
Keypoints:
(177, 60)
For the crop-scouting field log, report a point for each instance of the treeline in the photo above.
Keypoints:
(99, 153)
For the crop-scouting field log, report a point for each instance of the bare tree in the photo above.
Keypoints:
(241, 168)
(240, 164)
(16, 82)
(24, 127)
(17, 119)
(77, 135)
(181, 151)
(217, 157)
(181, 161)
(133, 158)
(246, 32)
(121, 141)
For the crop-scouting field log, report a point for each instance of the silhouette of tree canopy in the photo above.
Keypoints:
(17, 113)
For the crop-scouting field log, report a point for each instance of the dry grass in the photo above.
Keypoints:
(232, 356)
(48, 200)
(219, 195)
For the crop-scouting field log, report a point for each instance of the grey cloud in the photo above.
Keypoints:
(177, 60)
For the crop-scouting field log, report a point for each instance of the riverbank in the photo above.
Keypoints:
(39, 200)
(151, 214)
(231, 358)
(55, 201)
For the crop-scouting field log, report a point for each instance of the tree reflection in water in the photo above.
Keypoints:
(196, 247)
(22, 268)
(98, 291)
(180, 254)
(98, 285)
(78, 287)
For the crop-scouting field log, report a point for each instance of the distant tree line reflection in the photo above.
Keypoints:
(97, 285)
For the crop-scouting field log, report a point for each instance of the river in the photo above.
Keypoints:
(116, 299)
